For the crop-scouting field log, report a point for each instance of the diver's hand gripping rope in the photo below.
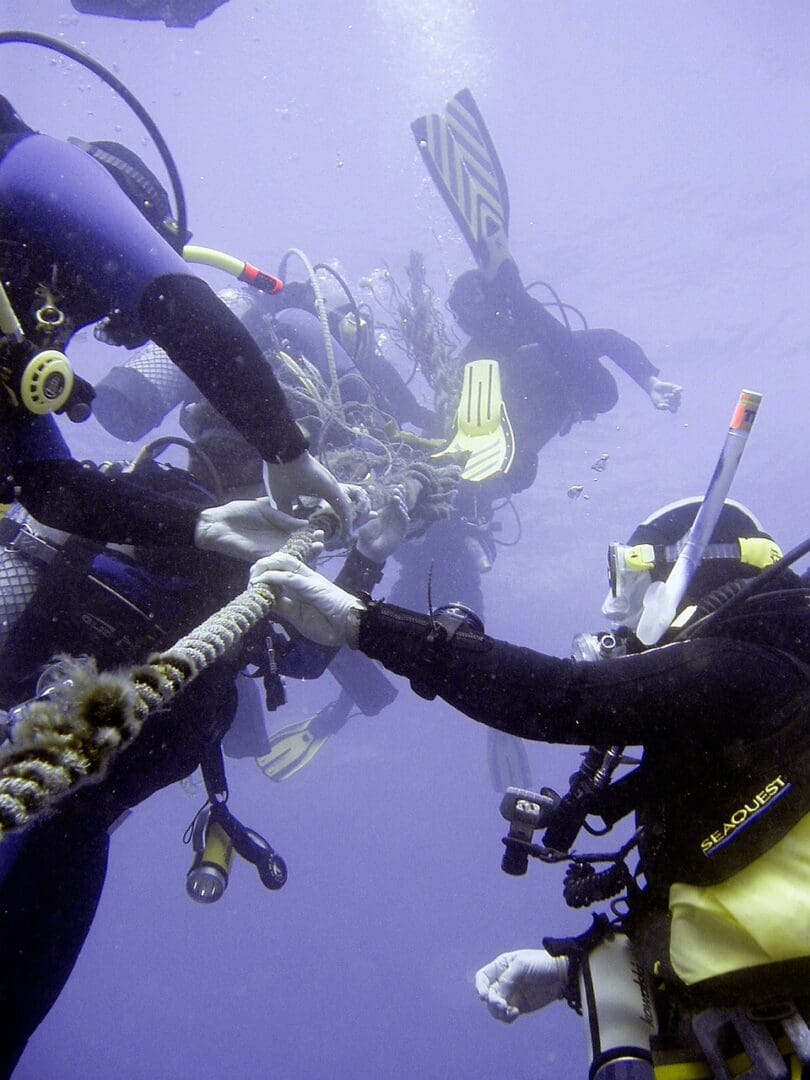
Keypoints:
(60, 745)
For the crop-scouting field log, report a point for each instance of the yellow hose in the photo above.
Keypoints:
(229, 264)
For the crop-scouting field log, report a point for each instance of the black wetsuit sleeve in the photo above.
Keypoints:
(359, 574)
(78, 499)
(184, 316)
(677, 691)
(623, 351)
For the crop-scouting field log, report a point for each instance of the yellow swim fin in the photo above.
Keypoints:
(483, 429)
(294, 747)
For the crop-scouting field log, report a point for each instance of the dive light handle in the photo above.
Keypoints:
(526, 811)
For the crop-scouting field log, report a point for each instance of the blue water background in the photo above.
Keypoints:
(657, 157)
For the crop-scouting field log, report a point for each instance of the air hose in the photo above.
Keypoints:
(320, 307)
(27, 37)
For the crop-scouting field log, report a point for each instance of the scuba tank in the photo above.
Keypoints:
(618, 1011)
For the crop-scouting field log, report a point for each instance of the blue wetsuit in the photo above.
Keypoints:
(65, 222)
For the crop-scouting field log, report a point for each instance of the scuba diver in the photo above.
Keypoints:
(715, 913)
(524, 375)
(551, 375)
(180, 13)
(73, 250)
(353, 429)
(64, 594)
(539, 375)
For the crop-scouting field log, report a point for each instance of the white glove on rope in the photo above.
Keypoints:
(520, 982)
(311, 603)
(305, 475)
(245, 529)
(385, 529)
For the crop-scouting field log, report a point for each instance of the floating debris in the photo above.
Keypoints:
(601, 463)
(575, 491)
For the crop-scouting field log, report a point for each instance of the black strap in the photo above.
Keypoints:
(575, 949)
(248, 844)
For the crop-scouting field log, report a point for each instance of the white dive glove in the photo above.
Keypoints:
(520, 982)
(311, 603)
(245, 529)
(305, 475)
(385, 529)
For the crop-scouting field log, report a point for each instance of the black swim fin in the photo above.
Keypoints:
(461, 157)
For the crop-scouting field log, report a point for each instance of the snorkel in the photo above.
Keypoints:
(662, 598)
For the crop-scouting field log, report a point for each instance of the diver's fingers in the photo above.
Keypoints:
(489, 974)
(499, 1008)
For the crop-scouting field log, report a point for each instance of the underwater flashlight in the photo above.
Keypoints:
(207, 879)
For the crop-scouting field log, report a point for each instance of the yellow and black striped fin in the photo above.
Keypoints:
(461, 158)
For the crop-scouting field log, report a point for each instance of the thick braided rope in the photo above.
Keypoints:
(55, 750)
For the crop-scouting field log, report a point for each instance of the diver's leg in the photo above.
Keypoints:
(48, 898)
(53, 877)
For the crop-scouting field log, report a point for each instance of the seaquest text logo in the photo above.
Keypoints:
(745, 815)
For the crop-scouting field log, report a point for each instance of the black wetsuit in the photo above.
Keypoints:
(718, 717)
(551, 376)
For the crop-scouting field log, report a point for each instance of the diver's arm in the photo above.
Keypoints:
(76, 498)
(359, 573)
(623, 351)
(633, 361)
(647, 698)
(186, 318)
(66, 494)
(677, 691)
(86, 223)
